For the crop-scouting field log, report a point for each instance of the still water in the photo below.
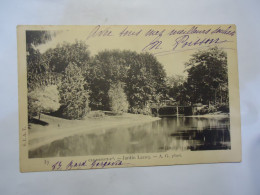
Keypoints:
(184, 133)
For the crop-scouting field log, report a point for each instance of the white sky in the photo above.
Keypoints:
(173, 63)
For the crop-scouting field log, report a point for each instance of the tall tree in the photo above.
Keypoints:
(74, 96)
(40, 79)
(36, 37)
(65, 53)
(146, 79)
(107, 68)
(143, 74)
(207, 76)
(37, 67)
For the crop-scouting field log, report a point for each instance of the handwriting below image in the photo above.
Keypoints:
(120, 96)
(59, 165)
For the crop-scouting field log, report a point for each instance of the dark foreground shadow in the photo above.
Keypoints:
(38, 122)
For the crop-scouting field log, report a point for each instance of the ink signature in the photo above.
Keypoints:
(72, 164)
(59, 165)
(182, 42)
(102, 164)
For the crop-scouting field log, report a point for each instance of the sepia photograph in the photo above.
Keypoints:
(130, 97)
(89, 94)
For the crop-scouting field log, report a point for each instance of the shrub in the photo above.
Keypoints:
(223, 108)
(43, 99)
(206, 110)
(117, 98)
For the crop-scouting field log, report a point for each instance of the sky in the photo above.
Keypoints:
(144, 38)
(172, 63)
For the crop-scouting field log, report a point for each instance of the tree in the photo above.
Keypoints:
(117, 98)
(74, 96)
(143, 74)
(175, 86)
(207, 76)
(63, 54)
(38, 71)
(43, 99)
(107, 68)
(41, 82)
(36, 37)
(146, 79)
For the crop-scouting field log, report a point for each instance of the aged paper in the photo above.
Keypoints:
(121, 96)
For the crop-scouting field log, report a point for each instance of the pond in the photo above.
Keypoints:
(169, 133)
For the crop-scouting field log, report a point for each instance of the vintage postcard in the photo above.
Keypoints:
(95, 97)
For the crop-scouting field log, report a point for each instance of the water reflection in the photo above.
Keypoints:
(158, 136)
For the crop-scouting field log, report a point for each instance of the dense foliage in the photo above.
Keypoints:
(146, 79)
(43, 99)
(40, 79)
(63, 54)
(208, 76)
(207, 81)
(62, 67)
(106, 68)
(74, 97)
(120, 81)
(117, 98)
(142, 74)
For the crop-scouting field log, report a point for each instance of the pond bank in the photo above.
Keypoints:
(59, 128)
(211, 115)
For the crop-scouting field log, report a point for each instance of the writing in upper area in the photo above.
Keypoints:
(99, 31)
(182, 42)
(226, 31)
(128, 33)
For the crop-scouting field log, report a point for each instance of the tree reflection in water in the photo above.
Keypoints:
(158, 136)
